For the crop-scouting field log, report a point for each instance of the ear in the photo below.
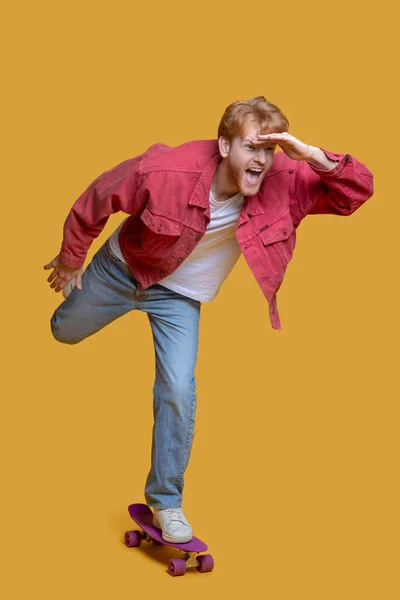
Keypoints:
(224, 146)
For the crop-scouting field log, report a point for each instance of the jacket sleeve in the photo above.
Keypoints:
(339, 191)
(115, 190)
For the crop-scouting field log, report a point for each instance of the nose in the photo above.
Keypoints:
(261, 157)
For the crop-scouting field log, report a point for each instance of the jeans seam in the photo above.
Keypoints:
(189, 436)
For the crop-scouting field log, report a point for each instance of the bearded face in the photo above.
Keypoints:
(245, 164)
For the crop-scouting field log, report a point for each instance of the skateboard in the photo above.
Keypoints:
(143, 516)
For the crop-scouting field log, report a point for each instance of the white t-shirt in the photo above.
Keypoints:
(202, 273)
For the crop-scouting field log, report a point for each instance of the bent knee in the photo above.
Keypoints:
(64, 334)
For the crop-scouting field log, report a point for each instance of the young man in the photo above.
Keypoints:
(192, 210)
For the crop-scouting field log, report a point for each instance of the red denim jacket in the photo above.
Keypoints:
(166, 193)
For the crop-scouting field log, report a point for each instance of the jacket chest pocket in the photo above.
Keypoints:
(160, 224)
(155, 234)
(280, 236)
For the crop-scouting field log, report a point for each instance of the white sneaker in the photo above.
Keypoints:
(68, 288)
(173, 524)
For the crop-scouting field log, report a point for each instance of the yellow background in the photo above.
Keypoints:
(293, 480)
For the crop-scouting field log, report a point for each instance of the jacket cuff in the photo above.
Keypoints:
(70, 261)
(342, 158)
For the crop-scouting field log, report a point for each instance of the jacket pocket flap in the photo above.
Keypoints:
(161, 224)
(278, 230)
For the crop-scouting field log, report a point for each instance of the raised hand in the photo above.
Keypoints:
(291, 146)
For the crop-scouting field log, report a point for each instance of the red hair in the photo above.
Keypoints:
(257, 110)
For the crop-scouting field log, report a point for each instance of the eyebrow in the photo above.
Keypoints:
(270, 142)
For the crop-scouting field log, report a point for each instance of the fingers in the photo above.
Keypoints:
(78, 280)
(262, 138)
(57, 281)
(61, 285)
(50, 265)
(284, 134)
(53, 263)
(61, 281)
(52, 276)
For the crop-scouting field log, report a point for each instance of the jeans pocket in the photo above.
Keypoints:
(110, 253)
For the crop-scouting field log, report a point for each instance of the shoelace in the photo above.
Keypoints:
(174, 514)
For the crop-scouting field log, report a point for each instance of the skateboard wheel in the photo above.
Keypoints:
(206, 563)
(132, 539)
(177, 566)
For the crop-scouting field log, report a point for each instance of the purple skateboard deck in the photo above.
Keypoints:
(143, 516)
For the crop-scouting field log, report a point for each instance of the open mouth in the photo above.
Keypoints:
(253, 175)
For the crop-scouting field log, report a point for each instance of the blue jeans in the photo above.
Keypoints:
(109, 291)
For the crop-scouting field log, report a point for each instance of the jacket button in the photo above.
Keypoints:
(347, 157)
(197, 237)
(162, 273)
(179, 260)
(139, 284)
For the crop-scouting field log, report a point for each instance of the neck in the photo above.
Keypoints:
(223, 187)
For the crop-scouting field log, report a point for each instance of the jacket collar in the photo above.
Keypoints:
(254, 206)
(201, 191)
